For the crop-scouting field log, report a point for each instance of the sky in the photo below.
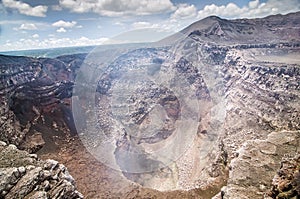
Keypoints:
(35, 24)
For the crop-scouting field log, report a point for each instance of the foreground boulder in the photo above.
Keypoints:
(286, 183)
(23, 175)
(257, 161)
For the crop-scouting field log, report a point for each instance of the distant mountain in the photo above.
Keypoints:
(271, 29)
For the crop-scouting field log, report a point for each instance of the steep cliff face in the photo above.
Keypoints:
(34, 89)
(259, 79)
(225, 97)
(35, 107)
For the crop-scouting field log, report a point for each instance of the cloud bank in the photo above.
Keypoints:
(114, 8)
(26, 9)
(252, 10)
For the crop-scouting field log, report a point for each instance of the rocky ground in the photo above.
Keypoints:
(243, 75)
(23, 175)
(111, 183)
(286, 183)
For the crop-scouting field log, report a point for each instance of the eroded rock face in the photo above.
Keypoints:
(33, 143)
(286, 183)
(33, 89)
(252, 171)
(23, 175)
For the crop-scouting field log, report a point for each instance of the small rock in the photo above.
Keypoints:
(22, 169)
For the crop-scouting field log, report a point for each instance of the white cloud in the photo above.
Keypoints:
(184, 11)
(52, 42)
(35, 36)
(9, 22)
(142, 24)
(56, 8)
(27, 26)
(118, 23)
(119, 7)
(168, 25)
(26, 9)
(84, 41)
(61, 29)
(230, 10)
(252, 10)
(253, 4)
(64, 24)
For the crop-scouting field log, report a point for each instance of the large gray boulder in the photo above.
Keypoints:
(23, 175)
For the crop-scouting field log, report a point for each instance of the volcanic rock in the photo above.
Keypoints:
(23, 175)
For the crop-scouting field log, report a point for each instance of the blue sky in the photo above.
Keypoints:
(32, 24)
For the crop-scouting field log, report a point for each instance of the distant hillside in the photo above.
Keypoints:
(271, 29)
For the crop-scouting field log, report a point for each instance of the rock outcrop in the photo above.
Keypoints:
(33, 89)
(23, 175)
(252, 171)
(286, 183)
